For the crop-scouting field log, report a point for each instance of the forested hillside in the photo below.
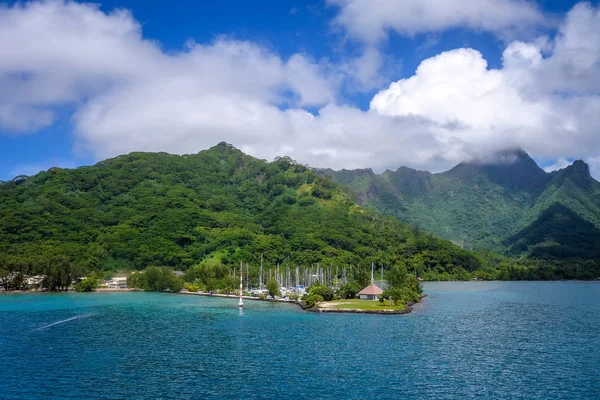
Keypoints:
(144, 209)
(504, 206)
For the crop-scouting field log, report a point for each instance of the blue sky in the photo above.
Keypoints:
(309, 79)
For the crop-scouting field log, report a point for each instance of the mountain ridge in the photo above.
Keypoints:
(479, 203)
(476, 204)
(219, 205)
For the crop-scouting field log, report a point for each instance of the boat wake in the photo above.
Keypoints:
(63, 321)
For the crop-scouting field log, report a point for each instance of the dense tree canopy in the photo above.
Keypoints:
(203, 214)
(512, 206)
(145, 209)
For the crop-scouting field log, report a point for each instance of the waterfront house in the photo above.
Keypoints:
(370, 292)
(117, 283)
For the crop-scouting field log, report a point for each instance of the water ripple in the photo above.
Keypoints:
(487, 340)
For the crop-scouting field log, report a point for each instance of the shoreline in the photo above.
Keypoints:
(109, 290)
(406, 310)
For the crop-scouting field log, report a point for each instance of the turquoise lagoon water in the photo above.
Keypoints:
(534, 340)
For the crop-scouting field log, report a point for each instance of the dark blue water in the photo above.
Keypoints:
(471, 340)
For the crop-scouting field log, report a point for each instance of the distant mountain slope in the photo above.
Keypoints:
(146, 209)
(576, 189)
(477, 204)
(558, 232)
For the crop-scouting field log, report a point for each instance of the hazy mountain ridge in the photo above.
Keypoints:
(480, 204)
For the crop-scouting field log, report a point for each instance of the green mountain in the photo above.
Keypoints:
(558, 232)
(145, 209)
(510, 205)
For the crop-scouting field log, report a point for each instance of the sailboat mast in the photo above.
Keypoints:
(260, 281)
(241, 303)
(372, 278)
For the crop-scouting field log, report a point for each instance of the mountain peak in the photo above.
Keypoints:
(579, 172)
(224, 148)
(579, 167)
(512, 168)
(223, 145)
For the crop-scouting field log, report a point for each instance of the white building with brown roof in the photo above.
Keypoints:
(370, 292)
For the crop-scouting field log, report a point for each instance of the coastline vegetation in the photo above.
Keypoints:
(155, 279)
(203, 214)
(86, 285)
(218, 207)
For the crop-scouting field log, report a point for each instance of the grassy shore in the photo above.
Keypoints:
(356, 304)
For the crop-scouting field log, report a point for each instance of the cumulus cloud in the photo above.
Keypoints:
(129, 94)
(544, 101)
(370, 20)
(366, 68)
(56, 53)
(558, 164)
(18, 118)
(594, 163)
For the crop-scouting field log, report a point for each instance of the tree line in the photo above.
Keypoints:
(217, 207)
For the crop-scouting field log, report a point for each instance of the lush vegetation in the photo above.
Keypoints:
(203, 214)
(511, 207)
(273, 288)
(313, 300)
(403, 288)
(558, 233)
(500, 267)
(155, 279)
(349, 290)
(324, 292)
(210, 275)
(206, 213)
(87, 284)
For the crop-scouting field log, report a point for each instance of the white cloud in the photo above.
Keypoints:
(366, 68)
(130, 95)
(371, 69)
(456, 86)
(338, 136)
(594, 163)
(559, 164)
(547, 104)
(18, 118)
(370, 20)
(575, 63)
(56, 53)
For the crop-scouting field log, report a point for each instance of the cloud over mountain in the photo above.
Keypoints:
(126, 93)
(545, 97)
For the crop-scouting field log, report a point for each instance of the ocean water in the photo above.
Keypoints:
(492, 340)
